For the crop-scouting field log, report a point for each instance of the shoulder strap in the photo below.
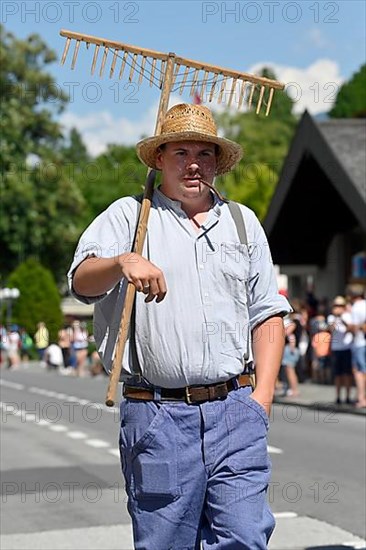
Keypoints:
(239, 221)
(238, 218)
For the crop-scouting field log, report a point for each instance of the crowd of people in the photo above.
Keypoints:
(328, 345)
(71, 353)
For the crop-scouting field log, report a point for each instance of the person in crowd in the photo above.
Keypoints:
(65, 338)
(320, 348)
(13, 347)
(53, 357)
(339, 322)
(80, 342)
(358, 327)
(41, 339)
(26, 345)
(291, 357)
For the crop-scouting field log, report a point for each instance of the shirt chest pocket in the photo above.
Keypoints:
(233, 270)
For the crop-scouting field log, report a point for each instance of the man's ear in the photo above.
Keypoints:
(158, 159)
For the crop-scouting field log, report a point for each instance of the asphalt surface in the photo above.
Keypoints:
(62, 488)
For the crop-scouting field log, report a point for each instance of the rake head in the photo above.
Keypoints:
(209, 82)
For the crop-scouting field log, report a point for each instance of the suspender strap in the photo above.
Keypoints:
(239, 221)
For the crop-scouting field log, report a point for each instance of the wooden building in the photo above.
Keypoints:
(316, 223)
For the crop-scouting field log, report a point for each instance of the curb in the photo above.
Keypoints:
(320, 406)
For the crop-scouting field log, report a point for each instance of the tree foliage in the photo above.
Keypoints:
(29, 99)
(111, 175)
(351, 98)
(40, 205)
(39, 298)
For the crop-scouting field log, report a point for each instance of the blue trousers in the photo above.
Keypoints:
(197, 473)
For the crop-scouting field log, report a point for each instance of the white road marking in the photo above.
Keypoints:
(58, 428)
(77, 435)
(12, 385)
(274, 450)
(97, 443)
(285, 515)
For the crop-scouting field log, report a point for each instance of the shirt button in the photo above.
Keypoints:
(200, 266)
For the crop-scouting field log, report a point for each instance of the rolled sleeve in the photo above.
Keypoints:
(108, 236)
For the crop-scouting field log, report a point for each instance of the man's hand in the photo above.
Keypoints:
(144, 275)
(264, 400)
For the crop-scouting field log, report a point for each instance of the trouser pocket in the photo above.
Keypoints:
(149, 451)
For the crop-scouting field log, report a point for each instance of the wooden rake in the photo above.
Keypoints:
(169, 73)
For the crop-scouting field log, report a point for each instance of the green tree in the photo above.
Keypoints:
(40, 204)
(113, 174)
(39, 298)
(29, 99)
(351, 98)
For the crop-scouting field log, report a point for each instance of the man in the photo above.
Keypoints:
(193, 431)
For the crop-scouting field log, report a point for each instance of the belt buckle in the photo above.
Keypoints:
(188, 396)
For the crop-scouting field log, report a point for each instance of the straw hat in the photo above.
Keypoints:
(339, 301)
(185, 122)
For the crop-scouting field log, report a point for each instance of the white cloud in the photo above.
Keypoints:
(101, 128)
(313, 88)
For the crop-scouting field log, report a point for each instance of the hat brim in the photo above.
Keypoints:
(229, 154)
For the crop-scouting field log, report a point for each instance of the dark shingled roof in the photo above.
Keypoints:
(347, 139)
(321, 190)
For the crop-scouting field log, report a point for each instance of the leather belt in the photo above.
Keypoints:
(191, 394)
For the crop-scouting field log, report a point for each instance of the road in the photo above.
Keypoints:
(61, 480)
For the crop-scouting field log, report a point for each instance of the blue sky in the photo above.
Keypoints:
(313, 46)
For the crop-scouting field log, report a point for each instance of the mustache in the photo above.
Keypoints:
(214, 190)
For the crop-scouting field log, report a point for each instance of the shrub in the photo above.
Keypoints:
(39, 298)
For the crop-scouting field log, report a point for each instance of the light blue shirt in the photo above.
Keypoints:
(218, 291)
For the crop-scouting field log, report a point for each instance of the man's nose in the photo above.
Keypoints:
(193, 164)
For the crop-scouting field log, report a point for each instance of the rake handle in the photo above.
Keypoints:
(115, 373)
(130, 293)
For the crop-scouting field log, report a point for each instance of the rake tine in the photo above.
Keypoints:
(105, 54)
(194, 81)
(241, 95)
(114, 61)
(184, 80)
(132, 67)
(232, 91)
(76, 51)
(271, 92)
(223, 85)
(95, 57)
(162, 69)
(260, 99)
(142, 70)
(152, 71)
(66, 50)
(123, 65)
(251, 95)
(177, 67)
(205, 77)
(213, 86)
